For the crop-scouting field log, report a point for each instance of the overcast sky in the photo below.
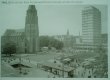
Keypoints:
(53, 19)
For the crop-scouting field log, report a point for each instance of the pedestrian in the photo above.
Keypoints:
(78, 72)
(85, 68)
(89, 71)
(82, 74)
(48, 75)
(92, 70)
(54, 76)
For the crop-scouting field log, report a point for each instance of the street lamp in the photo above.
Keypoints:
(62, 65)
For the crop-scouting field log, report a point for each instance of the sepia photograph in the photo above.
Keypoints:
(54, 41)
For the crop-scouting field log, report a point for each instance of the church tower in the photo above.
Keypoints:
(31, 30)
(67, 39)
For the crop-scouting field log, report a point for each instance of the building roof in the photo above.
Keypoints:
(90, 7)
(56, 66)
(12, 32)
(31, 7)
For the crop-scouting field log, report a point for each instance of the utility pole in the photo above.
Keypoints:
(63, 66)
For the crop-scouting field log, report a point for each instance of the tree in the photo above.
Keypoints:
(9, 48)
(46, 41)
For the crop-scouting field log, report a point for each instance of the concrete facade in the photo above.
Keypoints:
(91, 25)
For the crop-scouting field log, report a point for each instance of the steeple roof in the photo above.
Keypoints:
(68, 32)
(31, 7)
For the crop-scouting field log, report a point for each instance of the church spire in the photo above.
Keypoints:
(67, 31)
(31, 15)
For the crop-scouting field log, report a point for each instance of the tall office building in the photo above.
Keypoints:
(31, 30)
(91, 25)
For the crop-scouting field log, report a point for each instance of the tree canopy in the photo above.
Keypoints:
(46, 41)
(9, 48)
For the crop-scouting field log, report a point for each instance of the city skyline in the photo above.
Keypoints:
(62, 56)
(62, 18)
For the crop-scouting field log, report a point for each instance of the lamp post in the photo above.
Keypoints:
(19, 57)
(62, 66)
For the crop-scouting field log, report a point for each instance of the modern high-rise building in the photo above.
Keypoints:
(31, 30)
(91, 25)
(26, 40)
